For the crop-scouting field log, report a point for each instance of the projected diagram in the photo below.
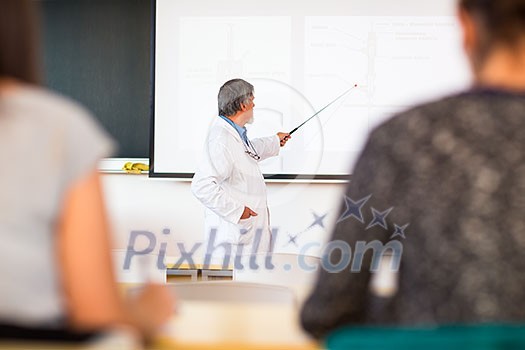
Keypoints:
(397, 62)
(222, 47)
(298, 65)
(212, 50)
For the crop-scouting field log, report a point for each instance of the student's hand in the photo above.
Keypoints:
(151, 308)
(247, 213)
(283, 137)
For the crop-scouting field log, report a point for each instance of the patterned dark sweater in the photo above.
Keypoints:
(454, 171)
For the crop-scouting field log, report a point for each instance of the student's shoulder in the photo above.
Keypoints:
(419, 120)
(48, 100)
(53, 108)
(61, 115)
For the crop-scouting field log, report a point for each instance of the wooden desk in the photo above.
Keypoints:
(220, 325)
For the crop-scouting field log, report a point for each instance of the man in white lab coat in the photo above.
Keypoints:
(229, 182)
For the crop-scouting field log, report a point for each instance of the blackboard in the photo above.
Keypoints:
(98, 53)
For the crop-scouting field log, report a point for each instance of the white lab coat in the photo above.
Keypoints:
(227, 180)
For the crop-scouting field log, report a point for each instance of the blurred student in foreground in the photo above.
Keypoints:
(446, 180)
(56, 273)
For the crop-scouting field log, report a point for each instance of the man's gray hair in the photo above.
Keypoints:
(232, 94)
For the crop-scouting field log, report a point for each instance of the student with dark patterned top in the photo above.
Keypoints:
(451, 175)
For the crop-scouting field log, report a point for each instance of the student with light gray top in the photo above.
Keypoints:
(55, 265)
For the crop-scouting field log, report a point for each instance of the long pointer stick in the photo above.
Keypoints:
(322, 109)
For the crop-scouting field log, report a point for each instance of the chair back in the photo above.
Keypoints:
(449, 337)
(297, 272)
(229, 291)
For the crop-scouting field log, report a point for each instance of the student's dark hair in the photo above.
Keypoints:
(19, 44)
(499, 21)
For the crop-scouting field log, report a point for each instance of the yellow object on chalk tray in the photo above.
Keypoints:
(135, 168)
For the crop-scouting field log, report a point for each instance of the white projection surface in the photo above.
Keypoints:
(299, 55)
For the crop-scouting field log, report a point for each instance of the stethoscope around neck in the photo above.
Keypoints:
(250, 150)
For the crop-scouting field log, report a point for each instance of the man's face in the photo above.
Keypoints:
(249, 110)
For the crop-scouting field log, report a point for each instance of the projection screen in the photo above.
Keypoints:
(299, 55)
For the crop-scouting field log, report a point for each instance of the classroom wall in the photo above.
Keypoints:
(139, 203)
